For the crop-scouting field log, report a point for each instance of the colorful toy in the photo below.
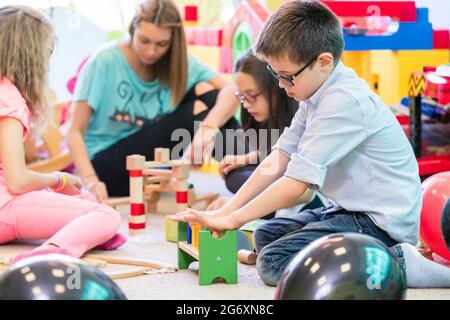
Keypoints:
(436, 192)
(431, 164)
(149, 178)
(217, 258)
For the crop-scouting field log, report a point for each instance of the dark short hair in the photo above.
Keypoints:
(302, 30)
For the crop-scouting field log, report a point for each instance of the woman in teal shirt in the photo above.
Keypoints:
(131, 96)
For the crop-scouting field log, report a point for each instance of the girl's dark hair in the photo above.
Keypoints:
(282, 108)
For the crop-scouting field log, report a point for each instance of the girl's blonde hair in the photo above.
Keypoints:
(172, 69)
(25, 39)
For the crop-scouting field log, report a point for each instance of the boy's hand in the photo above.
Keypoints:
(73, 185)
(230, 163)
(208, 220)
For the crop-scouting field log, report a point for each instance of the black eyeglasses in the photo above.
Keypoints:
(289, 80)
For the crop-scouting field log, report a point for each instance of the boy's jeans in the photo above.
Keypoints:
(280, 239)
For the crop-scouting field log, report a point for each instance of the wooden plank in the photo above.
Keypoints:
(193, 252)
(158, 172)
(155, 164)
(156, 179)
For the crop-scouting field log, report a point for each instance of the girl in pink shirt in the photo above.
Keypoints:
(33, 205)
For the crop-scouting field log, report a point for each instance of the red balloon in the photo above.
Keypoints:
(436, 192)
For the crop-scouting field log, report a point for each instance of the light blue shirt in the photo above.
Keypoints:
(347, 144)
(121, 101)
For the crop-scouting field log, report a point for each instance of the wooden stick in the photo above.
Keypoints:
(130, 262)
(247, 257)
(128, 273)
(95, 262)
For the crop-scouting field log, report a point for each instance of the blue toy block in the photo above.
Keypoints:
(189, 234)
(409, 36)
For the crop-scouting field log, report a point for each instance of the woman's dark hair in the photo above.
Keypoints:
(282, 108)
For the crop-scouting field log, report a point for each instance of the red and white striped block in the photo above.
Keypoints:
(137, 220)
(181, 193)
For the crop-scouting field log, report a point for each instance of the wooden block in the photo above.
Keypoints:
(135, 162)
(158, 172)
(193, 252)
(194, 237)
(181, 172)
(136, 190)
(152, 188)
(162, 155)
(247, 257)
(152, 196)
(182, 207)
(160, 164)
(181, 185)
(156, 179)
(135, 232)
(137, 219)
(151, 207)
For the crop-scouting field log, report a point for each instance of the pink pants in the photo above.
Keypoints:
(76, 224)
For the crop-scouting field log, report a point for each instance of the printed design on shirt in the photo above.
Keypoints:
(127, 112)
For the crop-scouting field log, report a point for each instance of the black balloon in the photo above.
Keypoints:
(343, 266)
(445, 223)
(57, 277)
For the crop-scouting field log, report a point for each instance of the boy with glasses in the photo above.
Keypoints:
(343, 141)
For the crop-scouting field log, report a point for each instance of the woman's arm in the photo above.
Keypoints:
(18, 178)
(226, 104)
(78, 150)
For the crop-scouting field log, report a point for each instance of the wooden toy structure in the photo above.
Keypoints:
(217, 258)
(102, 261)
(148, 179)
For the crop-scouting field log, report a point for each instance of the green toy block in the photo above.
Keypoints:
(217, 257)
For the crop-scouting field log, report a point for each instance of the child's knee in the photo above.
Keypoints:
(202, 88)
(113, 217)
(266, 269)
